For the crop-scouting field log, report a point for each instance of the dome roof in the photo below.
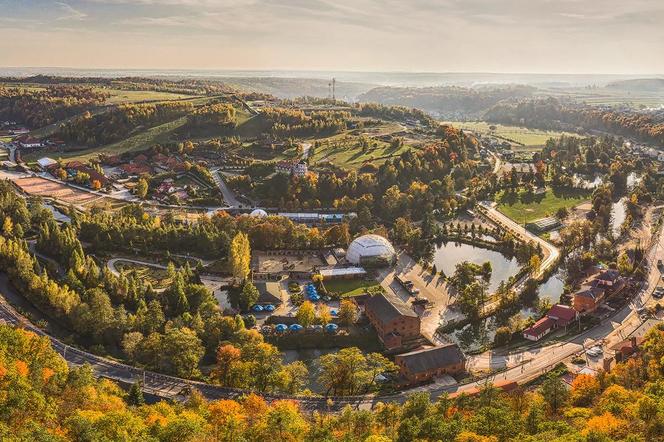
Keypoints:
(370, 249)
(258, 213)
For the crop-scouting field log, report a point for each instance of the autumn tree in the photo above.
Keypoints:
(142, 188)
(555, 393)
(239, 256)
(306, 314)
(584, 390)
(248, 295)
(347, 312)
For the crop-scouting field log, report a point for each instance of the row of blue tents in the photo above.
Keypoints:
(281, 328)
(263, 308)
(312, 292)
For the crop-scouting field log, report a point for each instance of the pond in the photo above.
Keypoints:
(448, 255)
(552, 288)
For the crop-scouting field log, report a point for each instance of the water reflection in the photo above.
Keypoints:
(448, 255)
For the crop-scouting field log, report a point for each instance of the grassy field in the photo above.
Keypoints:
(157, 277)
(611, 97)
(349, 154)
(522, 135)
(139, 141)
(524, 207)
(350, 287)
(119, 96)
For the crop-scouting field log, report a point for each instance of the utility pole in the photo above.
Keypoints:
(334, 84)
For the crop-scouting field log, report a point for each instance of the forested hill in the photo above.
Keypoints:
(639, 85)
(551, 114)
(449, 101)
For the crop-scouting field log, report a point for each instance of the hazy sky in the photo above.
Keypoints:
(548, 36)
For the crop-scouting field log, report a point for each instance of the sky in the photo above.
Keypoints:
(530, 36)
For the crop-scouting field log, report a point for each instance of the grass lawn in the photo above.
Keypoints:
(157, 277)
(350, 287)
(523, 135)
(139, 141)
(349, 154)
(119, 96)
(524, 207)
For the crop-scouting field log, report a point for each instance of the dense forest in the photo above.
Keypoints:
(124, 315)
(42, 399)
(183, 86)
(115, 124)
(40, 107)
(291, 123)
(397, 113)
(446, 101)
(213, 116)
(551, 114)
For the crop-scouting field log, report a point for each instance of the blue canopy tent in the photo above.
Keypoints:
(332, 327)
(269, 308)
(257, 308)
(314, 298)
(333, 312)
(295, 327)
(281, 328)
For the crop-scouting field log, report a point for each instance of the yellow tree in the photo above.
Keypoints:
(142, 188)
(240, 256)
(8, 227)
(347, 312)
(535, 263)
(306, 314)
(324, 316)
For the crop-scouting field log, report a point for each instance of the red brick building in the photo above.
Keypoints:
(423, 365)
(392, 318)
(588, 299)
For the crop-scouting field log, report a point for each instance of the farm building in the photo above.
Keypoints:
(423, 365)
(393, 319)
(342, 273)
(543, 224)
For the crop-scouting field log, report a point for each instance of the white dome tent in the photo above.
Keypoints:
(258, 213)
(370, 250)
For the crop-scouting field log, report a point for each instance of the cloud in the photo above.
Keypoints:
(69, 13)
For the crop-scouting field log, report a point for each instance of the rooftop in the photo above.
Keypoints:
(388, 307)
(422, 361)
(560, 311)
(540, 326)
(342, 271)
(270, 292)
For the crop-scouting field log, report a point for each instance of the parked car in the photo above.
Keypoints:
(594, 352)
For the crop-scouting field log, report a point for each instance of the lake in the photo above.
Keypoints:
(448, 255)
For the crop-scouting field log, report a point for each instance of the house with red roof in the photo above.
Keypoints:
(539, 329)
(562, 315)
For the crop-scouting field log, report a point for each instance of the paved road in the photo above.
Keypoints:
(551, 252)
(617, 327)
(229, 196)
(111, 264)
